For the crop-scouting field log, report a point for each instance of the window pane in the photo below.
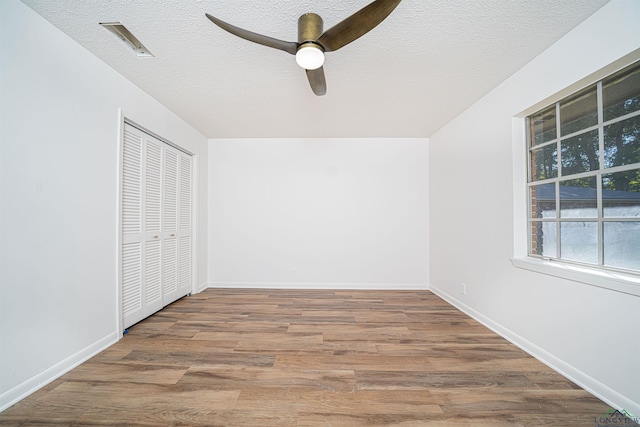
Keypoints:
(622, 244)
(621, 94)
(580, 153)
(621, 194)
(544, 162)
(622, 143)
(579, 112)
(578, 198)
(579, 241)
(543, 126)
(543, 239)
(543, 201)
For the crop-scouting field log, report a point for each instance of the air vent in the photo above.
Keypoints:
(127, 37)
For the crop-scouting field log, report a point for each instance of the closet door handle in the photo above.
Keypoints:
(156, 236)
(173, 235)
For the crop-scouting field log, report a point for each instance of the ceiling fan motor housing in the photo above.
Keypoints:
(309, 28)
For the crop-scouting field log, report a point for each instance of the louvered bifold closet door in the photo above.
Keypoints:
(170, 227)
(132, 227)
(185, 213)
(156, 225)
(152, 221)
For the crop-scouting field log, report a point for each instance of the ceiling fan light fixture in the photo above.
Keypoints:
(310, 56)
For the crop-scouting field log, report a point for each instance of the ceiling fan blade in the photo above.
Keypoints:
(317, 81)
(357, 25)
(289, 47)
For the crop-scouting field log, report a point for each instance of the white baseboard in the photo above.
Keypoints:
(590, 384)
(318, 285)
(36, 382)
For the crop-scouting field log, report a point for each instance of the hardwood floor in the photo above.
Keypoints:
(310, 358)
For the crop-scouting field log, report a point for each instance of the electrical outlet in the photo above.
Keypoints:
(294, 272)
(463, 289)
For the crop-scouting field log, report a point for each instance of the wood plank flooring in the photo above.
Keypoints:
(309, 358)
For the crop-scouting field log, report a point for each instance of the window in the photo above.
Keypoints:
(584, 176)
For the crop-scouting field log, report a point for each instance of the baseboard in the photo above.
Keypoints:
(36, 382)
(590, 384)
(318, 285)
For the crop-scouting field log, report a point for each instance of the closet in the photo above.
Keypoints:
(156, 224)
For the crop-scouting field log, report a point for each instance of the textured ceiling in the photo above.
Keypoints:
(427, 62)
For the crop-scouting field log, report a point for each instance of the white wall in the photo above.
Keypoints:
(342, 212)
(589, 333)
(59, 198)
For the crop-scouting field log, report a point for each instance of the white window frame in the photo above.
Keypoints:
(602, 277)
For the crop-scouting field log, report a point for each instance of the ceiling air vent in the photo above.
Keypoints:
(127, 37)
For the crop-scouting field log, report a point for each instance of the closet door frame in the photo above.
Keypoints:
(191, 287)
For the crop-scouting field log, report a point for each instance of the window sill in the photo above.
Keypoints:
(618, 282)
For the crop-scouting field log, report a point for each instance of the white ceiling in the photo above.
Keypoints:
(427, 62)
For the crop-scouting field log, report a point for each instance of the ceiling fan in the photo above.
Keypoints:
(313, 43)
